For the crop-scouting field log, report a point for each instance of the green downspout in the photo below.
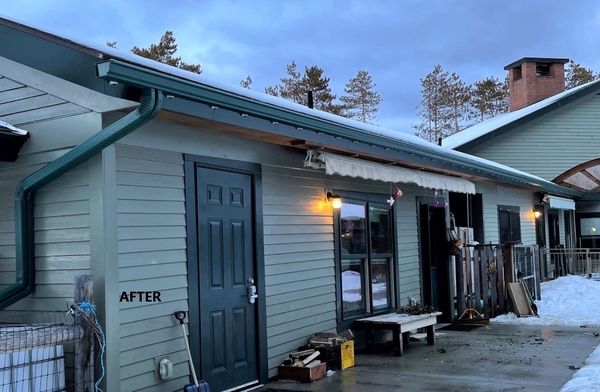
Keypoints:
(150, 105)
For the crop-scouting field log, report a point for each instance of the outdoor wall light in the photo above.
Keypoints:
(537, 214)
(336, 200)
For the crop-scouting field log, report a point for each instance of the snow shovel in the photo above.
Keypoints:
(201, 386)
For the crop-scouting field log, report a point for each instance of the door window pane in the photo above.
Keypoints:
(381, 230)
(380, 283)
(353, 288)
(353, 229)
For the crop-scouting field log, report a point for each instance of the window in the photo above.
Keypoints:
(366, 254)
(590, 227)
(509, 222)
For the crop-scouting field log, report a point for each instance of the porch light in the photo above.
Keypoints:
(537, 214)
(336, 200)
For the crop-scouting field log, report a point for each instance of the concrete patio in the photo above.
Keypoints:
(489, 358)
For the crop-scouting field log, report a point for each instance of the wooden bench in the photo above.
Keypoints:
(399, 324)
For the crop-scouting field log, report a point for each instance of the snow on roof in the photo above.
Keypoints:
(12, 129)
(127, 56)
(488, 126)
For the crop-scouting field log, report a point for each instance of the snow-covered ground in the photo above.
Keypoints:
(569, 301)
(566, 301)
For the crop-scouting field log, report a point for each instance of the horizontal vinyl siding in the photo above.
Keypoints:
(407, 233)
(299, 261)
(299, 253)
(62, 237)
(495, 195)
(551, 144)
(152, 256)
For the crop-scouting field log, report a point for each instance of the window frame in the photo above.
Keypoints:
(368, 200)
(511, 210)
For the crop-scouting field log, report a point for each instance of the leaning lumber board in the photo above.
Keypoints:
(519, 299)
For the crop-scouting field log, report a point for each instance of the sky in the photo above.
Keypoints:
(397, 42)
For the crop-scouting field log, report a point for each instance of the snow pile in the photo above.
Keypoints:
(566, 301)
(588, 377)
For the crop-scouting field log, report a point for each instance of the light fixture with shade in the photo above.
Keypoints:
(335, 200)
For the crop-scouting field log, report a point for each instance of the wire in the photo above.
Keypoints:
(88, 311)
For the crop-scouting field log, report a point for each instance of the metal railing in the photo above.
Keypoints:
(574, 261)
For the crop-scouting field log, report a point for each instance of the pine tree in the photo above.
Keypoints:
(361, 102)
(576, 75)
(295, 87)
(489, 98)
(314, 80)
(164, 52)
(434, 113)
(458, 96)
(290, 87)
(246, 83)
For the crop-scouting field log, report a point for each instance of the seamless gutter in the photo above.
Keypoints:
(132, 74)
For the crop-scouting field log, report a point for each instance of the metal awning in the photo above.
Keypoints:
(11, 141)
(559, 202)
(354, 167)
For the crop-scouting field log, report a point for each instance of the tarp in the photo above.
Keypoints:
(559, 202)
(354, 167)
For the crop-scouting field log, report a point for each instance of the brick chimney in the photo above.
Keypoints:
(532, 79)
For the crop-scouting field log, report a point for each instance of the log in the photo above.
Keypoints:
(84, 348)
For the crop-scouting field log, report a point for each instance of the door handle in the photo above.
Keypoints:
(252, 295)
(251, 291)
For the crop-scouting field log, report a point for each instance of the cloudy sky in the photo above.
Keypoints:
(398, 42)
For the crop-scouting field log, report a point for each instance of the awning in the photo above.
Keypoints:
(559, 202)
(354, 167)
(11, 141)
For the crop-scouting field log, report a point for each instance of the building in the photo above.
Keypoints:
(551, 133)
(155, 179)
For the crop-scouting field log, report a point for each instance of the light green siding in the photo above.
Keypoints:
(62, 222)
(297, 223)
(61, 236)
(152, 257)
(551, 144)
(495, 195)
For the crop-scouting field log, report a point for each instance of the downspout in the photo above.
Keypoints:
(150, 105)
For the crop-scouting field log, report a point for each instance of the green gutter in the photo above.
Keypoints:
(119, 71)
(150, 105)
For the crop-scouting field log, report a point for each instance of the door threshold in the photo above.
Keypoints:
(249, 386)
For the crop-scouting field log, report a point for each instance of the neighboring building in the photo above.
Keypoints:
(553, 134)
(155, 179)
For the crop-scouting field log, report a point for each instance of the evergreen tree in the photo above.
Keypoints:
(458, 96)
(576, 75)
(164, 52)
(361, 102)
(290, 87)
(295, 87)
(314, 80)
(246, 83)
(434, 109)
(489, 98)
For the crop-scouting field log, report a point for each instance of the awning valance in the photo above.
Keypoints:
(559, 202)
(354, 167)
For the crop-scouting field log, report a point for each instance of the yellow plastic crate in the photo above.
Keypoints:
(347, 354)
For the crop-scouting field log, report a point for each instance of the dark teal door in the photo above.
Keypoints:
(228, 337)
